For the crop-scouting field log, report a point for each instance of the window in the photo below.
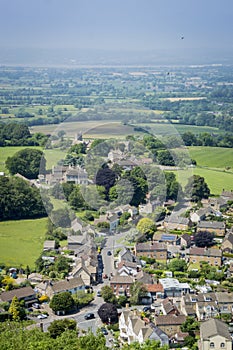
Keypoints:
(222, 345)
(212, 345)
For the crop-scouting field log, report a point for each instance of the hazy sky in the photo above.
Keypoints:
(116, 24)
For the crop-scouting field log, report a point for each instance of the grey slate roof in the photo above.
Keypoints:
(214, 327)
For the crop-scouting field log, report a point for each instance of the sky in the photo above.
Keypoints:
(116, 24)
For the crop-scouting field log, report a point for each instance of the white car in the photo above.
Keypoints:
(42, 316)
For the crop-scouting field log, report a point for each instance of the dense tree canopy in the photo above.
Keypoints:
(62, 302)
(197, 188)
(108, 313)
(27, 162)
(18, 200)
(204, 239)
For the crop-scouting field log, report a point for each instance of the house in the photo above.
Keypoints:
(214, 334)
(25, 293)
(126, 255)
(168, 308)
(156, 290)
(225, 302)
(203, 213)
(76, 241)
(170, 324)
(227, 243)
(185, 240)
(228, 195)
(152, 249)
(149, 207)
(174, 222)
(76, 175)
(173, 288)
(211, 255)
(133, 329)
(35, 277)
(115, 155)
(76, 225)
(167, 238)
(126, 268)
(201, 305)
(49, 245)
(86, 270)
(121, 285)
(112, 219)
(126, 164)
(217, 227)
(49, 288)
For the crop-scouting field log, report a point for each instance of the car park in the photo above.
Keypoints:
(89, 316)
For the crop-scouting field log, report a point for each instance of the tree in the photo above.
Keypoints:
(108, 295)
(62, 302)
(197, 188)
(27, 162)
(57, 327)
(137, 291)
(177, 265)
(61, 217)
(165, 158)
(108, 313)
(76, 199)
(105, 177)
(204, 239)
(16, 310)
(146, 225)
(147, 345)
(18, 200)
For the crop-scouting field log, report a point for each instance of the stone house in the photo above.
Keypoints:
(217, 227)
(49, 288)
(213, 256)
(121, 285)
(214, 334)
(152, 249)
(25, 293)
(174, 222)
(227, 243)
(170, 324)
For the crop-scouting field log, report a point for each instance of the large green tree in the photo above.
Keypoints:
(137, 291)
(18, 200)
(57, 327)
(62, 302)
(27, 162)
(197, 188)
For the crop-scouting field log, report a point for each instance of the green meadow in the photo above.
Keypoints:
(52, 155)
(212, 157)
(21, 242)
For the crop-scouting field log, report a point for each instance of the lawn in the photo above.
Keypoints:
(217, 180)
(212, 157)
(21, 242)
(8, 151)
(52, 155)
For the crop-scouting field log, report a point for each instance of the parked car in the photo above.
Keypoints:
(146, 308)
(105, 276)
(109, 252)
(104, 331)
(42, 316)
(89, 316)
(36, 305)
(98, 293)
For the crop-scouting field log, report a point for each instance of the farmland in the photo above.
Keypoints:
(52, 155)
(21, 241)
(212, 157)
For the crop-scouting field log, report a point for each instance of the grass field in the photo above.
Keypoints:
(21, 241)
(217, 180)
(212, 157)
(176, 129)
(52, 155)
(6, 152)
